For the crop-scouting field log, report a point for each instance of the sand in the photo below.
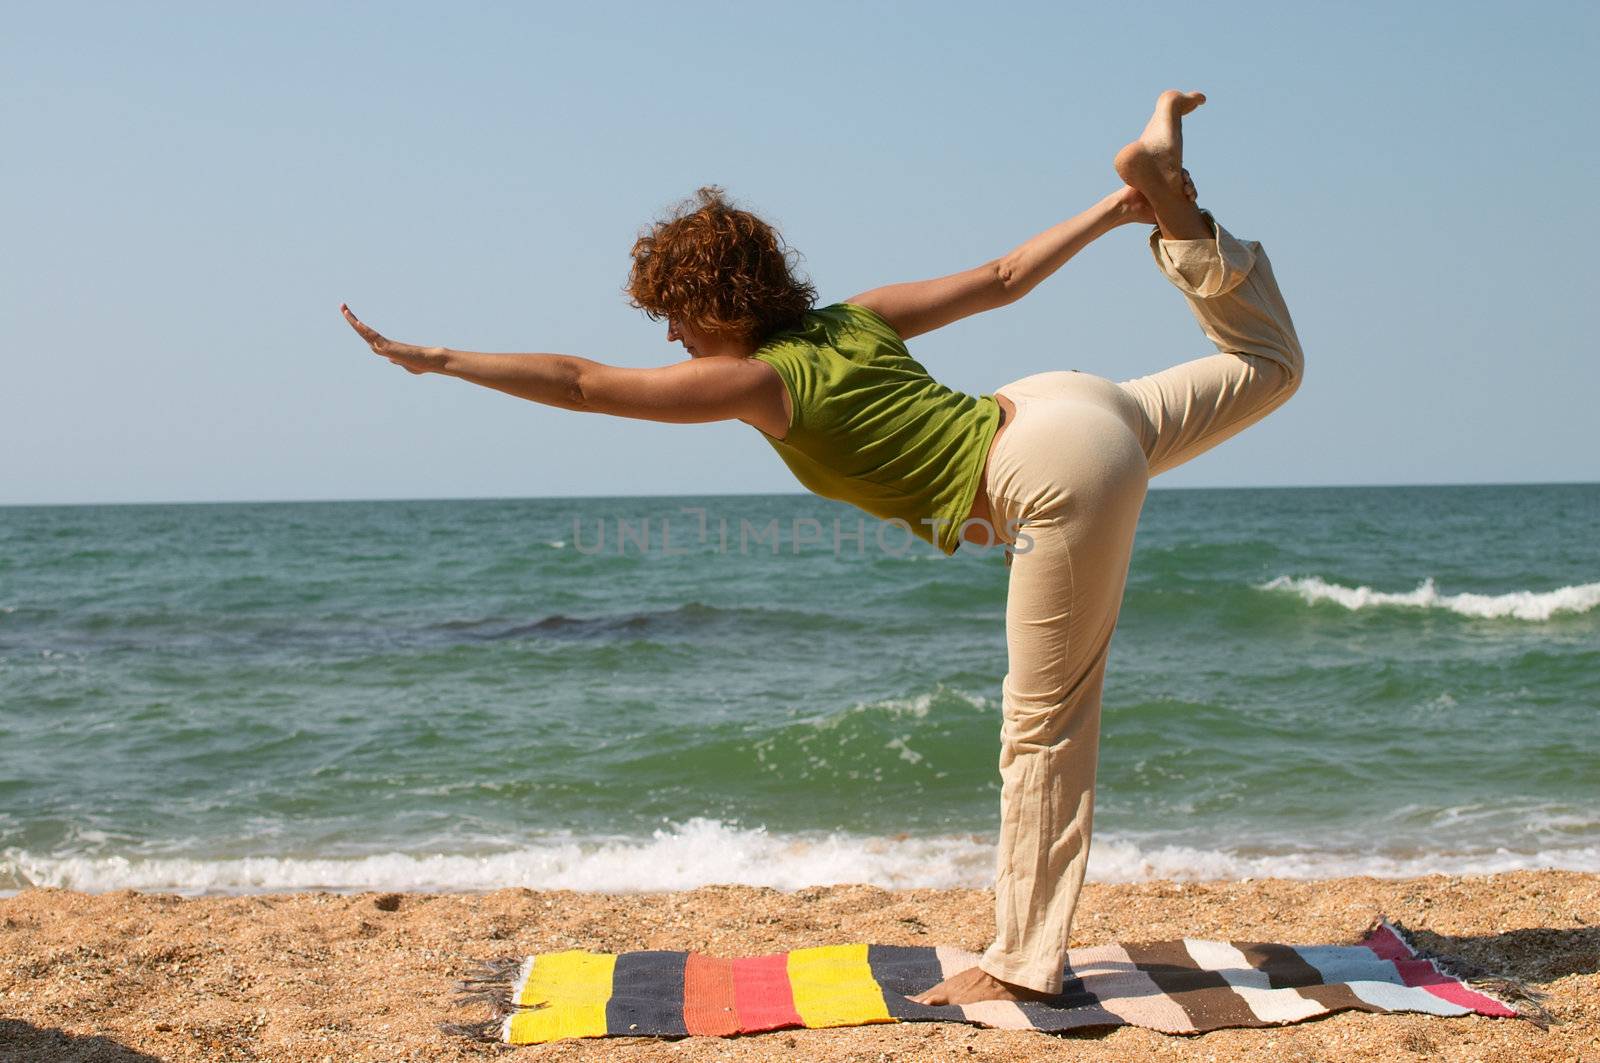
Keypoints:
(319, 976)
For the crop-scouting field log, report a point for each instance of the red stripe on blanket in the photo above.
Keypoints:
(1387, 944)
(762, 993)
(1414, 972)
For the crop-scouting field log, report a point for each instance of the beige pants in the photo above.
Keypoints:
(1069, 474)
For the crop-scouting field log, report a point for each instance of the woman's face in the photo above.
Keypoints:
(704, 344)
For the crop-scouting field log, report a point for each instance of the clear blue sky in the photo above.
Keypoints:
(191, 192)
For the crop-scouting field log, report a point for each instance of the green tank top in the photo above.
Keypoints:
(870, 427)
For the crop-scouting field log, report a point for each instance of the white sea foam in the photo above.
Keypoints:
(702, 852)
(1113, 860)
(1518, 605)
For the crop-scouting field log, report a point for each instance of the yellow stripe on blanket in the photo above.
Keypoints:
(574, 988)
(833, 986)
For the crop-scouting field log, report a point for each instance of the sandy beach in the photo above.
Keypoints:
(319, 976)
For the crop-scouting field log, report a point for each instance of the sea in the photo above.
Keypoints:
(657, 693)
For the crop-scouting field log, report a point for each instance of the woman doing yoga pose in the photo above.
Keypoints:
(1055, 464)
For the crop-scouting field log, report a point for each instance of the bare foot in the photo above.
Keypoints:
(973, 985)
(1157, 156)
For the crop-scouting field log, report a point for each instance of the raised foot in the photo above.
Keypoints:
(974, 985)
(1157, 155)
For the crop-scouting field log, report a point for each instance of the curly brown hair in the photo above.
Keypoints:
(719, 269)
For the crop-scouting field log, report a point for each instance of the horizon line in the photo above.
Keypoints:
(747, 494)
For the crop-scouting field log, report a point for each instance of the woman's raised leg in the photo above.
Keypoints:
(1232, 293)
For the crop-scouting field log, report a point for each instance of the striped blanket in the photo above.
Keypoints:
(1178, 987)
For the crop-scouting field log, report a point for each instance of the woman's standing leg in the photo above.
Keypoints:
(1067, 482)
(1062, 604)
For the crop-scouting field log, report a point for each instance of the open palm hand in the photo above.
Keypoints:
(408, 356)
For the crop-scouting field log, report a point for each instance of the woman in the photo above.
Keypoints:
(1056, 464)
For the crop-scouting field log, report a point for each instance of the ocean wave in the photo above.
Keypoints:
(921, 744)
(1517, 605)
(648, 623)
(1123, 860)
(696, 853)
(703, 852)
(916, 706)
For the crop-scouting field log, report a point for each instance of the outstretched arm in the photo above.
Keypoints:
(922, 306)
(716, 388)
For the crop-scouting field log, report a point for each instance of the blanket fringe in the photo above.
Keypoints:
(486, 1032)
(1515, 994)
(492, 983)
